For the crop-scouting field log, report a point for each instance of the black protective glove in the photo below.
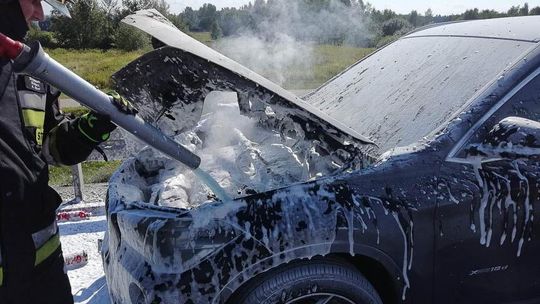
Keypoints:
(97, 127)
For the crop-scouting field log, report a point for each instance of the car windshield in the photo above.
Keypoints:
(406, 90)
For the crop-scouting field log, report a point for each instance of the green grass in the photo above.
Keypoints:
(95, 66)
(329, 60)
(93, 171)
(204, 37)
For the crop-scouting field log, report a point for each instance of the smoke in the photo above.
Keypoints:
(278, 59)
(281, 44)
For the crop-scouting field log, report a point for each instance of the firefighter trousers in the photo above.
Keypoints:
(48, 285)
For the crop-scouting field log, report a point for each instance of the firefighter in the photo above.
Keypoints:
(33, 135)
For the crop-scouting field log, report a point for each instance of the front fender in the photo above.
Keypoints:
(315, 219)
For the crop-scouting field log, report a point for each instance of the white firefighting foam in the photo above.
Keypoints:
(242, 156)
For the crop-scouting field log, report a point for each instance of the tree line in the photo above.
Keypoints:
(96, 23)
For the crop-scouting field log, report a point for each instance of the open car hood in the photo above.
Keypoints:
(170, 84)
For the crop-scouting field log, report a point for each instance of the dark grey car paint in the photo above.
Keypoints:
(417, 212)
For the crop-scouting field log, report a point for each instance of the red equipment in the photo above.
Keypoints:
(9, 48)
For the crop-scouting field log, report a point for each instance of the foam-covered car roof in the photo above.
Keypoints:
(516, 28)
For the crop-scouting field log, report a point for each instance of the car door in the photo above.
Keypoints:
(488, 243)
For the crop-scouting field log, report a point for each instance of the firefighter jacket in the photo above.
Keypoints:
(33, 135)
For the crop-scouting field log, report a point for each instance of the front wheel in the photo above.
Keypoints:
(310, 282)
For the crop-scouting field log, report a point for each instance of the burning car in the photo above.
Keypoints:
(411, 177)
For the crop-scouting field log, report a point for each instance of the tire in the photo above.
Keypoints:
(306, 282)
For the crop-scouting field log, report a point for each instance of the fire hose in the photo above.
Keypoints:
(32, 60)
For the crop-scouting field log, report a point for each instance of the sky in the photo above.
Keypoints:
(443, 7)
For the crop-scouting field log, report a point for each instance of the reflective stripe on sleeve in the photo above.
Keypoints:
(42, 236)
(33, 118)
(46, 241)
(47, 249)
(31, 100)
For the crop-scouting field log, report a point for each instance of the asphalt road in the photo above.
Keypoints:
(69, 103)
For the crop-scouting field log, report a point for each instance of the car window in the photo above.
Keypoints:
(403, 92)
(525, 103)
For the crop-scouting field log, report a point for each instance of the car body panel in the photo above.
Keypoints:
(389, 80)
(516, 28)
(496, 202)
(412, 211)
(333, 215)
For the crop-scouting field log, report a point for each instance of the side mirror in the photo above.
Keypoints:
(511, 138)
